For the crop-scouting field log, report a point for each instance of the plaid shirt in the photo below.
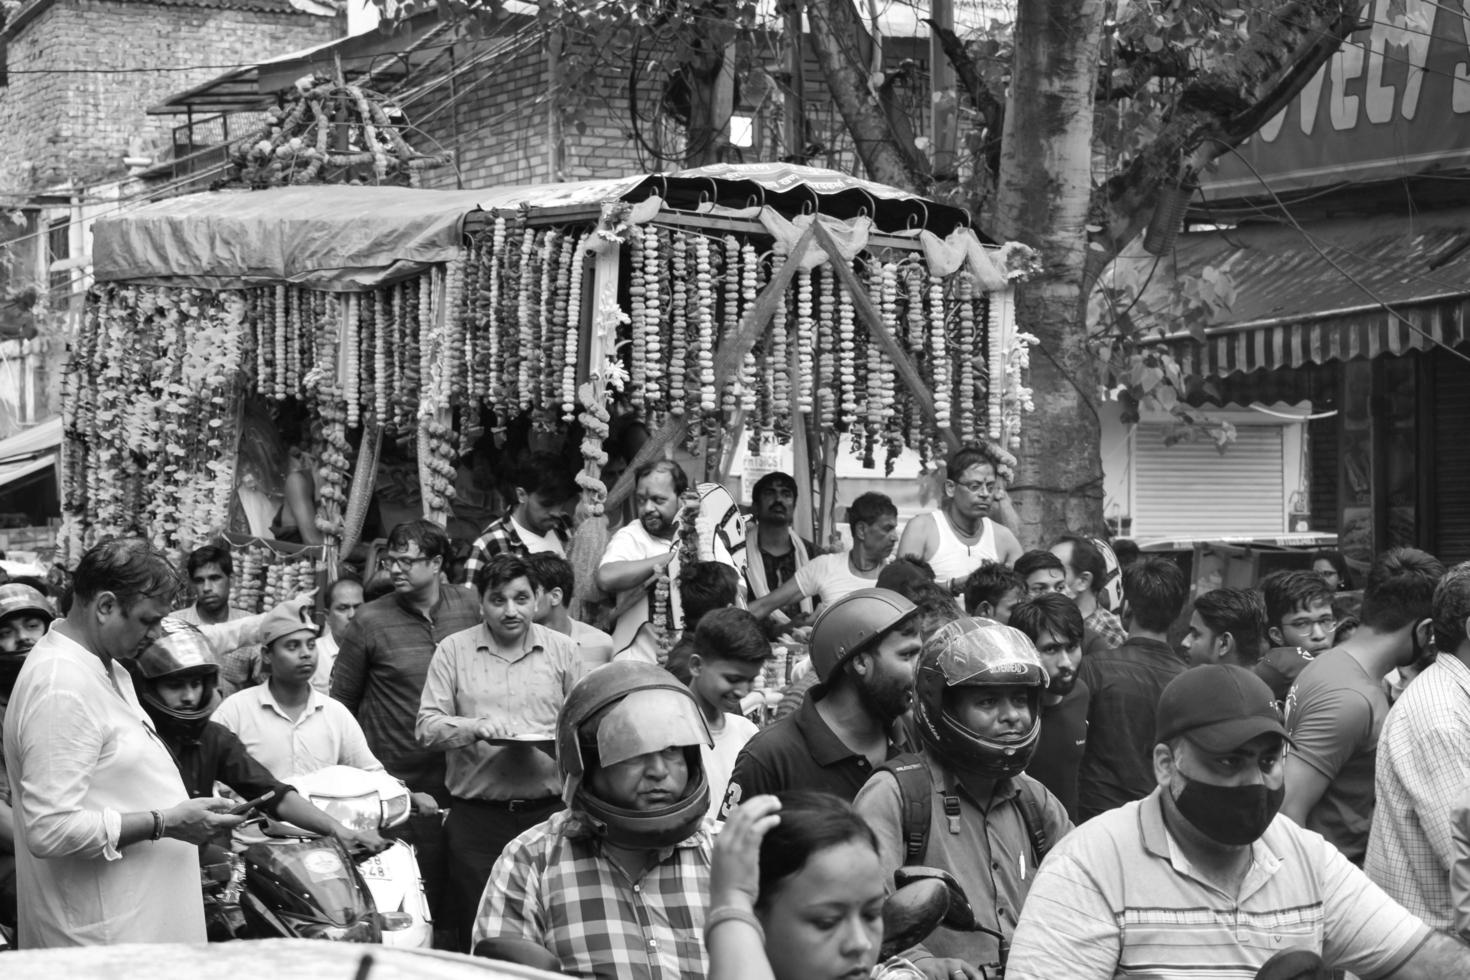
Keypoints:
(1422, 770)
(561, 892)
(500, 538)
(1107, 626)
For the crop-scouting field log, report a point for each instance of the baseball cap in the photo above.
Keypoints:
(1218, 707)
(287, 618)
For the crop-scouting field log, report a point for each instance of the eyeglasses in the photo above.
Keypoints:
(978, 488)
(1311, 625)
(390, 562)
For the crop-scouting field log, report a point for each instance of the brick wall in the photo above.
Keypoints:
(78, 125)
(497, 125)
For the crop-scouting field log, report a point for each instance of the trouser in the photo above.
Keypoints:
(426, 835)
(477, 831)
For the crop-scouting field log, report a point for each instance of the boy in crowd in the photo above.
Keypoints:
(1299, 625)
(992, 590)
(1055, 625)
(1117, 765)
(1086, 566)
(704, 587)
(211, 572)
(1227, 626)
(1042, 572)
(728, 651)
(977, 694)
(555, 585)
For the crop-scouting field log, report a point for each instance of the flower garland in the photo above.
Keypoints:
(679, 329)
(655, 243)
(826, 376)
(637, 297)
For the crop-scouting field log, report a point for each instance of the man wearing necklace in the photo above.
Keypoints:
(958, 537)
(491, 692)
(874, 522)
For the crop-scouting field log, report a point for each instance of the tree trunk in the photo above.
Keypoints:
(835, 33)
(1044, 193)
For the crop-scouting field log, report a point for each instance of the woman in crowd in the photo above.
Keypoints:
(796, 893)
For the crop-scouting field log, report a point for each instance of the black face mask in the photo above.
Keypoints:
(1230, 815)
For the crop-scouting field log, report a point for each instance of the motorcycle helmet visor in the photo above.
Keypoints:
(649, 721)
(979, 652)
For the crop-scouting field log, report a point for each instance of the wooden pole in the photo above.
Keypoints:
(728, 357)
(868, 313)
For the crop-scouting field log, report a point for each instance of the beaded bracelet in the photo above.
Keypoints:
(157, 825)
(731, 914)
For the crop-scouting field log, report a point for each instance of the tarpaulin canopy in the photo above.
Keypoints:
(349, 238)
(332, 237)
(29, 452)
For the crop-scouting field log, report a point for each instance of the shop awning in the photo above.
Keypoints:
(1296, 307)
(29, 452)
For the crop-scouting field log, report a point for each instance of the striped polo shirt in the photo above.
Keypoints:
(1117, 898)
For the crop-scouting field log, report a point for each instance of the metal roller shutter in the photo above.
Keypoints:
(1191, 490)
(1451, 462)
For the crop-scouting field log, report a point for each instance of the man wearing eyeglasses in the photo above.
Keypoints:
(1299, 625)
(960, 536)
(380, 672)
(1338, 705)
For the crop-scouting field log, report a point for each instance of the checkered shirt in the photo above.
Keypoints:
(499, 538)
(560, 891)
(1422, 770)
(1108, 626)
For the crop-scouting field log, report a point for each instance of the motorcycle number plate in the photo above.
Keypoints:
(373, 867)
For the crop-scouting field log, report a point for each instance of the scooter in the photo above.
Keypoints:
(282, 881)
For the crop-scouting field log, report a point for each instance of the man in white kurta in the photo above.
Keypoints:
(80, 753)
(105, 831)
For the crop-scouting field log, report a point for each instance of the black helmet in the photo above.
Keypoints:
(846, 627)
(181, 651)
(976, 653)
(619, 712)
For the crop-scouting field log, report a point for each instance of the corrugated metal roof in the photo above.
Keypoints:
(1318, 294)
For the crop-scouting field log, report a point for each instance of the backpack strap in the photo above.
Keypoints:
(915, 792)
(1033, 815)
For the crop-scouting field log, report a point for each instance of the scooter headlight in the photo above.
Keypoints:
(395, 810)
(354, 812)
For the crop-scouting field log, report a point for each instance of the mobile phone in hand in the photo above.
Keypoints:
(253, 805)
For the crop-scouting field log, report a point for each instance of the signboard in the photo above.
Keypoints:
(1394, 101)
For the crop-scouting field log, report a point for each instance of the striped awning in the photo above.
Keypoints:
(1294, 307)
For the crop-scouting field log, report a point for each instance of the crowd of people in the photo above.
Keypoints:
(1122, 782)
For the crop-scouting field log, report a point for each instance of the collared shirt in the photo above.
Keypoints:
(502, 538)
(1423, 769)
(1106, 625)
(594, 646)
(80, 752)
(469, 680)
(562, 892)
(801, 752)
(325, 734)
(1117, 765)
(379, 674)
(1333, 716)
(239, 667)
(1117, 898)
(987, 848)
(326, 658)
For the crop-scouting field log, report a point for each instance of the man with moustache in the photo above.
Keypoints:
(774, 552)
(1055, 625)
(1203, 875)
(863, 650)
(380, 671)
(640, 549)
(958, 537)
(489, 687)
(873, 519)
(977, 716)
(105, 831)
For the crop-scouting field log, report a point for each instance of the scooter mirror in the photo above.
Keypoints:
(911, 913)
(959, 916)
(524, 952)
(1293, 964)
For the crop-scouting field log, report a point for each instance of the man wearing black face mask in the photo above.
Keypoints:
(1337, 706)
(1204, 874)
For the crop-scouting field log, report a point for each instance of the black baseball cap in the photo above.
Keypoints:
(1218, 707)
